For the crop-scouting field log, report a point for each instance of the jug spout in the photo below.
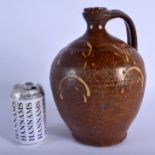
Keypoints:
(96, 15)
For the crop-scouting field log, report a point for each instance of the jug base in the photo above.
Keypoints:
(99, 143)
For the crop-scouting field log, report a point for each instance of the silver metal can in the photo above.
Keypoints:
(29, 113)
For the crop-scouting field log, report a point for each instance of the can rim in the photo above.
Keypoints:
(27, 91)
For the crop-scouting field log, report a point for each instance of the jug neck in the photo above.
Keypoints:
(96, 19)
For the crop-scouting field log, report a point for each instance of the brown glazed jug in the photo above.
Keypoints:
(98, 81)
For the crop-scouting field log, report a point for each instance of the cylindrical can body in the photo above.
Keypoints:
(29, 113)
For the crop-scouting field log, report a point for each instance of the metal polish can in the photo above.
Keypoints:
(29, 113)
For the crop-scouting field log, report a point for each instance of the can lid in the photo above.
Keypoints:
(27, 91)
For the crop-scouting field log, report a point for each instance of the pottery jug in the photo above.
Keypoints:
(98, 81)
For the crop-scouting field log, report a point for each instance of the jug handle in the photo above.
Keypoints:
(130, 27)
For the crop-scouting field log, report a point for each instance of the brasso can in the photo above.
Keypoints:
(29, 113)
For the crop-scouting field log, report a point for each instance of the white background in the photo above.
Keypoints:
(31, 34)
